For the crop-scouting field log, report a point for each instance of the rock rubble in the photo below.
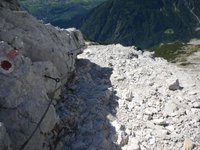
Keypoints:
(155, 103)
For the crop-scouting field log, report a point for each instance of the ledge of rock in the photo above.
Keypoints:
(28, 51)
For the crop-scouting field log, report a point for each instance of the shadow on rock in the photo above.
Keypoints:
(88, 109)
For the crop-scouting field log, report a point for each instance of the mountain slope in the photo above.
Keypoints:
(112, 97)
(62, 13)
(143, 22)
(157, 102)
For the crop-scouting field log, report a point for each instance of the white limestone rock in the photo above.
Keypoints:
(128, 95)
(170, 108)
(160, 121)
(151, 108)
(133, 144)
(25, 94)
(41, 42)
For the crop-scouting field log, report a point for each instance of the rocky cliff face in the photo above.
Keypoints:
(29, 50)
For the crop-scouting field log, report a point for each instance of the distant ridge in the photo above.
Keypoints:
(62, 13)
(143, 23)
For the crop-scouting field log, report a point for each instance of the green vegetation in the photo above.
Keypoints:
(175, 52)
(143, 23)
(168, 51)
(62, 13)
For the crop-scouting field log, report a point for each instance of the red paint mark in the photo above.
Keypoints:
(12, 54)
(6, 65)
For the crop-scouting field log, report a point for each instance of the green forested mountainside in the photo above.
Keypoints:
(143, 23)
(62, 13)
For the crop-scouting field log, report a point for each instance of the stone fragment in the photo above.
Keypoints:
(170, 128)
(193, 93)
(133, 144)
(152, 141)
(123, 138)
(196, 105)
(160, 121)
(150, 111)
(169, 108)
(132, 55)
(117, 125)
(131, 106)
(188, 144)
(175, 86)
(161, 133)
(129, 95)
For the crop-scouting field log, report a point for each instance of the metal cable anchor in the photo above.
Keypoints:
(55, 79)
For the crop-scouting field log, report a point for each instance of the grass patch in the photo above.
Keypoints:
(175, 52)
(168, 51)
